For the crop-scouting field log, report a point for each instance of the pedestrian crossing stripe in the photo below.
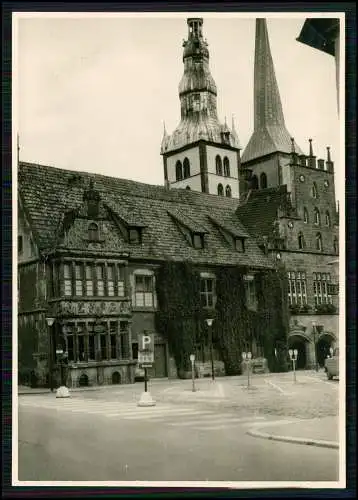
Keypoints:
(204, 420)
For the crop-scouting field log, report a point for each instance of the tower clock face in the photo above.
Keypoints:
(302, 178)
(290, 224)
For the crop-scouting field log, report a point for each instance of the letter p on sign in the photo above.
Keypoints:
(146, 342)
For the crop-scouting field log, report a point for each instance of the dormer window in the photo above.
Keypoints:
(93, 233)
(198, 240)
(134, 235)
(240, 244)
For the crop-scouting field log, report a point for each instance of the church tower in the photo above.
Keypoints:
(201, 154)
(270, 145)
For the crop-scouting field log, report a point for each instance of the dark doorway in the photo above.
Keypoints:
(300, 345)
(116, 378)
(323, 346)
(83, 380)
(160, 362)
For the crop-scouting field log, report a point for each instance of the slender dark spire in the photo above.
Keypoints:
(329, 154)
(267, 100)
(270, 133)
(311, 147)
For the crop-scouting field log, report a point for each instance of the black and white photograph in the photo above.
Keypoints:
(179, 249)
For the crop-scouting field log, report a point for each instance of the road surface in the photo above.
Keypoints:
(89, 439)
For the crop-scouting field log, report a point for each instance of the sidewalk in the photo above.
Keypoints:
(322, 432)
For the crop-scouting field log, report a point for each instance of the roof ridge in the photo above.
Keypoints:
(190, 197)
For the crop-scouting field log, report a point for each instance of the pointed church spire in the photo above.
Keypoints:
(164, 139)
(267, 100)
(329, 154)
(270, 133)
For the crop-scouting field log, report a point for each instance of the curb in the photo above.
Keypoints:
(295, 440)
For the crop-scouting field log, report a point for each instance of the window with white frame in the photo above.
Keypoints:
(297, 288)
(317, 217)
(207, 290)
(250, 291)
(100, 279)
(144, 288)
(319, 245)
(79, 279)
(320, 288)
(67, 275)
(110, 280)
(328, 219)
(89, 281)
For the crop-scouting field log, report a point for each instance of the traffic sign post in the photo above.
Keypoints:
(293, 355)
(146, 360)
(192, 359)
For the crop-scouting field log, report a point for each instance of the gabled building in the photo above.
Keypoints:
(288, 204)
(202, 153)
(91, 250)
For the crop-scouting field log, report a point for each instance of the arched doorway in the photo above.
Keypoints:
(299, 342)
(116, 378)
(83, 380)
(324, 343)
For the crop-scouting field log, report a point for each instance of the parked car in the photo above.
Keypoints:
(331, 365)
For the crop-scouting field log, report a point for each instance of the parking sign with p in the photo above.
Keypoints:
(146, 348)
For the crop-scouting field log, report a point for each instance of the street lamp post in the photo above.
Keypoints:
(315, 345)
(209, 322)
(192, 360)
(246, 356)
(50, 321)
(293, 356)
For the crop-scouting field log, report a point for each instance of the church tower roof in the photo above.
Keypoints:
(270, 132)
(198, 97)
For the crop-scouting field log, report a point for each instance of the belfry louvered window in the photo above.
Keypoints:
(186, 167)
(178, 171)
(218, 165)
(226, 167)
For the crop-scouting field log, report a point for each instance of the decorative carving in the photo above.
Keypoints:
(92, 308)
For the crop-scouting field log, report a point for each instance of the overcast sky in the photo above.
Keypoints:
(93, 93)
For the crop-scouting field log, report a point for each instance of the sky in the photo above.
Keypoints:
(92, 93)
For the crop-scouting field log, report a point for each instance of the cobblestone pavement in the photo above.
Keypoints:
(310, 397)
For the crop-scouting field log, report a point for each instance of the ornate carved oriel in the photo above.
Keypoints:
(92, 308)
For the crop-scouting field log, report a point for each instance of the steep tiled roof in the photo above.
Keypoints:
(261, 210)
(46, 194)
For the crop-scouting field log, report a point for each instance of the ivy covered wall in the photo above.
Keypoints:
(181, 320)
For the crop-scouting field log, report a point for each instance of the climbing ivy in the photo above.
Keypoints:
(181, 320)
(179, 308)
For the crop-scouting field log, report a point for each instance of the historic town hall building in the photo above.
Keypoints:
(247, 242)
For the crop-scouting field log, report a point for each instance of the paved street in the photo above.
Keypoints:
(104, 436)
